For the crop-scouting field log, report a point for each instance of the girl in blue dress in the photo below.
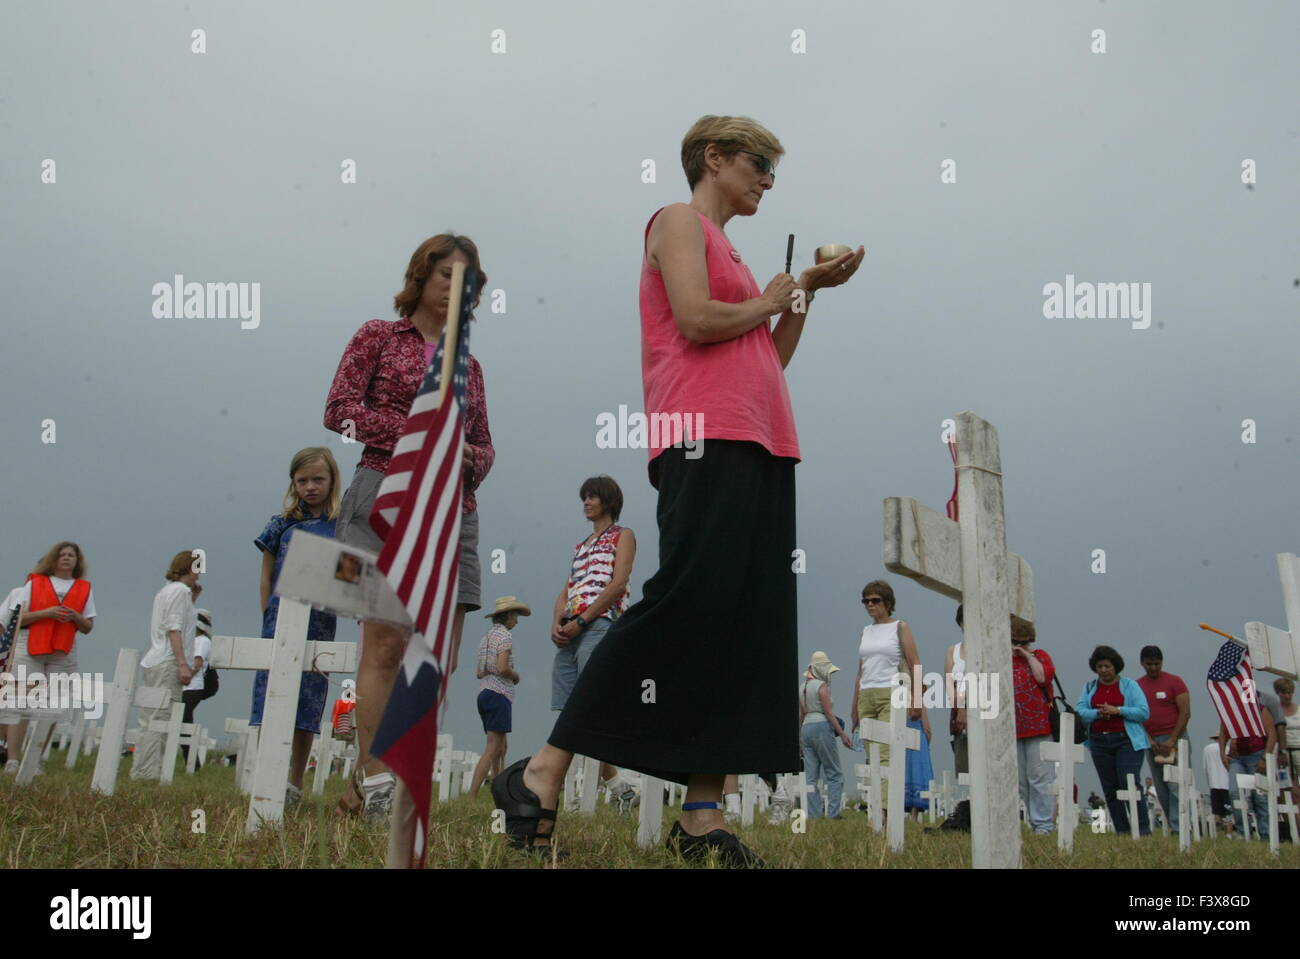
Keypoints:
(311, 504)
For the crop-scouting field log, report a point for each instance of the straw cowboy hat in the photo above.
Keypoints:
(507, 603)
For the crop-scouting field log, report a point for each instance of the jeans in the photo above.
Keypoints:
(1248, 764)
(821, 759)
(1167, 794)
(1036, 778)
(570, 660)
(1114, 757)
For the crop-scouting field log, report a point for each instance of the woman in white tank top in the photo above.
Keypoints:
(886, 649)
(954, 670)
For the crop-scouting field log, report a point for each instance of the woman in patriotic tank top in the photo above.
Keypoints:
(723, 598)
(592, 598)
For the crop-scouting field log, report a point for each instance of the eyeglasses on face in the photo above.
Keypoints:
(764, 165)
(872, 599)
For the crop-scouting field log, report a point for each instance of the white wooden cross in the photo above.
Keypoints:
(123, 695)
(327, 749)
(171, 726)
(30, 764)
(931, 797)
(1183, 776)
(1245, 786)
(79, 724)
(1132, 795)
(900, 737)
(284, 657)
(650, 816)
(748, 797)
(1267, 784)
(94, 733)
(1211, 821)
(198, 742)
(1066, 754)
(245, 751)
(1194, 810)
(442, 768)
(968, 561)
(799, 786)
(1276, 650)
(590, 785)
(948, 802)
(1290, 810)
(873, 772)
(469, 763)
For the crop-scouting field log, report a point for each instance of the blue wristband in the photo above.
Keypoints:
(690, 806)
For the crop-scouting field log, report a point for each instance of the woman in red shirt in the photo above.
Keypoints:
(369, 400)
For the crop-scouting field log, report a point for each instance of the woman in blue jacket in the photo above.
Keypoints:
(1115, 709)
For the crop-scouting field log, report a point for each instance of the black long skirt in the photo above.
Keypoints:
(701, 675)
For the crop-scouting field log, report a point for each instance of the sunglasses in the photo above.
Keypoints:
(764, 165)
(872, 599)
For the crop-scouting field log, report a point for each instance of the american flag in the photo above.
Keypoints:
(1231, 683)
(417, 512)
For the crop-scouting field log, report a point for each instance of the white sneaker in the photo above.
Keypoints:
(292, 796)
(11, 767)
(732, 803)
(622, 795)
(780, 811)
(378, 791)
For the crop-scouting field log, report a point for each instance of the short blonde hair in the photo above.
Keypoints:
(46, 564)
(292, 505)
(182, 563)
(731, 134)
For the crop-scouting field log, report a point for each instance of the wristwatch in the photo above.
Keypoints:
(581, 622)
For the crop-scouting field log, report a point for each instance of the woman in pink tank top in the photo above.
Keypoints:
(692, 682)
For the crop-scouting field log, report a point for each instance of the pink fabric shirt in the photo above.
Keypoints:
(737, 385)
(377, 379)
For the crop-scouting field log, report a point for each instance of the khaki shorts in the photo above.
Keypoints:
(353, 527)
(52, 663)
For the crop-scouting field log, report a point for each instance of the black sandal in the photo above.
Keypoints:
(523, 809)
(732, 853)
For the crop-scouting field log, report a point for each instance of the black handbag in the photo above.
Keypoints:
(1055, 706)
(211, 683)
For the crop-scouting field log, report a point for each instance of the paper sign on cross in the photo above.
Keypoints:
(968, 560)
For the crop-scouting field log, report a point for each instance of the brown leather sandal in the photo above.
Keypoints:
(346, 809)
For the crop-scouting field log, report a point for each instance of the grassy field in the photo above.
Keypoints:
(57, 823)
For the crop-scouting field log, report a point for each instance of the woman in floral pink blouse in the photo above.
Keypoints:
(377, 379)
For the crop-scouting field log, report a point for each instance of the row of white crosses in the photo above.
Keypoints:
(263, 765)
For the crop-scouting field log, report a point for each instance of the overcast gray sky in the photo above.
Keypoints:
(225, 166)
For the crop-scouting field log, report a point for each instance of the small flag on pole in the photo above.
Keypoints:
(1231, 683)
(417, 512)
